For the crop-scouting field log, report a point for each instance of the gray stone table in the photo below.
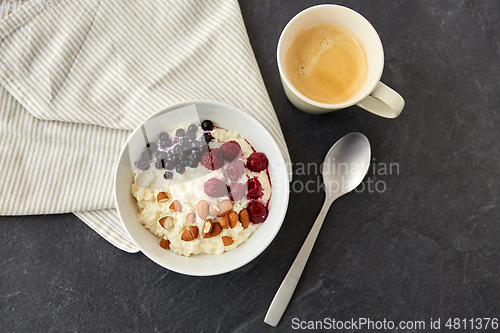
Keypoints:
(422, 245)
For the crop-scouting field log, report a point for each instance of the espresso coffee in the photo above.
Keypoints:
(326, 63)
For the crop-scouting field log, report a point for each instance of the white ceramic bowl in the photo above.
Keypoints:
(233, 119)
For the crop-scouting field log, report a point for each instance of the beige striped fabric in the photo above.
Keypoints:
(77, 76)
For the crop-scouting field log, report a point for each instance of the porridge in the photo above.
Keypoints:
(201, 189)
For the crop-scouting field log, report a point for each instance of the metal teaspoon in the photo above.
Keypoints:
(344, 168)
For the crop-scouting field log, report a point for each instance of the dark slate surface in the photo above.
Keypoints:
(426, 247)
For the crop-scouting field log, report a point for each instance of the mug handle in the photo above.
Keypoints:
(383, 101)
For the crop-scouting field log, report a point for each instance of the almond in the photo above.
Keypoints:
(224, 222)
(225, 207)
(216, 230)
(165, 243)
(191, 218)
(202, 209)
(194, 230)
(162, 197)
(233, 219)
(213, 210)
(226, 240)
(207, 228)
(187, 236)
(176, 206)
(190, 233)
(166, 222)
(244, 218)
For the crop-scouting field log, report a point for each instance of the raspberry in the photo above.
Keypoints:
(231, 150)
(212, 159)
(257, 162)
(236, 191)
(258, 212)
(254, 188)
(235, 169)
(215, 188)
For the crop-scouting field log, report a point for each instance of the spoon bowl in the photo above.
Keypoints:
(345, 165)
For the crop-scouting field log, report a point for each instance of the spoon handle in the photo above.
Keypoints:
(285, 292)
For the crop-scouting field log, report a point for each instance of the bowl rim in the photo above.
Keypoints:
(286, 191)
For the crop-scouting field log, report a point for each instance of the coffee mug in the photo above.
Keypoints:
(374, 96)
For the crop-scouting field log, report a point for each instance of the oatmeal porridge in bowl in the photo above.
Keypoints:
(207, 188)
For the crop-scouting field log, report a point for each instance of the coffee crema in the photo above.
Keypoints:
(326, 63)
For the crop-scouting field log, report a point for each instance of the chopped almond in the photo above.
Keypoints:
(162, 197)
(224, 222)
(226, 240)
(165, 243)
(225, 207)
(244, 218)
(233, 219)
(202, 209)
(176, 206)
(216, 230)
(207, 228)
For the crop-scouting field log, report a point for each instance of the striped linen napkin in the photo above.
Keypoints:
(77, 76)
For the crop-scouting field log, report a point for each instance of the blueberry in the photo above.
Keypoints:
(143, 164)
(197, 156)
(185, 142)
(161, 158)
(177, 149)
(176, 159)
(169, 165)
(180, 169)
(195, 144)
(204, 148)
(159, 164)
(180, 132)
(163, 136)
(193, 128)
(193, 164)
(161, 155)
(146, 155)
(207, 125)
(165, 143)
(208, 137)
(185, 155)
(168, 175)
(152, 146)
(191, 135)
